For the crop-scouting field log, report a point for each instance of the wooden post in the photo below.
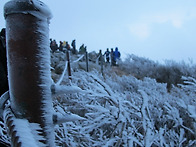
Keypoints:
(112, 57)
(27, 36)
(87, 61)
(68, 64)
(101, 60)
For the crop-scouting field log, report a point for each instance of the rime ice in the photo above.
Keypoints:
(27, 35)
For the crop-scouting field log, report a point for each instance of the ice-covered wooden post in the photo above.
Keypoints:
(27, 35)
(68, 64)
(86, 54)
(101, 60)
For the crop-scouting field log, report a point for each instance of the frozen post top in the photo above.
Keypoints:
(33, 7)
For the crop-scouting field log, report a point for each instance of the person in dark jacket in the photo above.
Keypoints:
(107, 55)
(73, 44)
(112, 57)
(3, 63)
(82, 49)
(53, 45)
(60, 46)
(116, 55)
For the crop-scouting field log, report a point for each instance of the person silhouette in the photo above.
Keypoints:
(116, 55)
(107, 55)
(3, 63)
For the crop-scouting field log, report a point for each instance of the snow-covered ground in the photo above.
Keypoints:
(118, 109)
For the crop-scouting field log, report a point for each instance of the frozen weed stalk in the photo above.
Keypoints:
(27, 35)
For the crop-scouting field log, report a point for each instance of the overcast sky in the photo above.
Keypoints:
(155, 29)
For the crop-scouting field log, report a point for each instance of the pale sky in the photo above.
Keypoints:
(156, 29)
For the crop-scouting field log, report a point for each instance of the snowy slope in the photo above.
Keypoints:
(117, 109)
(125, 111)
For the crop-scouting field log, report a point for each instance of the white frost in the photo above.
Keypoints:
(62, 89)
(63, 74)
(38, 9)
(67, 117)
(25, 132)
(192, 111)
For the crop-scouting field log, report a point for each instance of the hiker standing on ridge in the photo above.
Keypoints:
(82, 49)
(112, 57)
(73, 44)
(107, 55)
(116, 55)
(60, 46)
(67, 46)
(53, 45)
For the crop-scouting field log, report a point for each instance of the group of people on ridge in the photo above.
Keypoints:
(112, 56)
(54, 46)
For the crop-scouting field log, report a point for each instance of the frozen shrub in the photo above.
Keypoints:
(170, 72)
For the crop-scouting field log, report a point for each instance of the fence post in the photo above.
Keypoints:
(86, 61)
(27, 36)
(112, 57)
(101, 60)
(68, 64)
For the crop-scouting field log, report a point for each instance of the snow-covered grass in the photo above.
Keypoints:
(123, 115)
(125, 111)
(122, 110)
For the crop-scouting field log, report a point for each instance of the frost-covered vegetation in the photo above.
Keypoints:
(129, 105)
